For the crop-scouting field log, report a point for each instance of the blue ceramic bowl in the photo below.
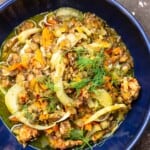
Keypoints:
(14, 11)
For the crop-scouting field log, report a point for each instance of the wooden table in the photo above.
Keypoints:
(141, 10)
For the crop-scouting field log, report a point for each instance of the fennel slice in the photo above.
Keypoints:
(11, 98)
(104, 111)
(22, 119)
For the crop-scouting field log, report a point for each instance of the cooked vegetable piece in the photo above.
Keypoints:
(68, 12)
(47, 37)
(20, 116)
(58, 64)
(105, 110)
(77, 134)
(23, 36)
(103, 97)
(11, 98)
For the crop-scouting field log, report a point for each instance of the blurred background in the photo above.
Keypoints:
(141, 10)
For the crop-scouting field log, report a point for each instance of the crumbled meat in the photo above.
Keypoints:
(13, 58)
(26, 134)
(129, 89)
(36, 38)
(83, 97)
(98, 136)
(58, 143)
(25, 25)
(65, 128)
(23, 97)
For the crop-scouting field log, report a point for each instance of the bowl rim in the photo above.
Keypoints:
(5, 3)
(138, 26)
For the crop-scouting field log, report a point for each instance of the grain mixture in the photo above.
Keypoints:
(68, 77)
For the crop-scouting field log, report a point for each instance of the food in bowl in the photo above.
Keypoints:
(66, 77)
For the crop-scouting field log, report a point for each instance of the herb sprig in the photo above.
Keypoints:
(47, 81)
(94, 67)
(52, 106)
(77, 134)
(52, 103)
(85, 63)
(80, 84)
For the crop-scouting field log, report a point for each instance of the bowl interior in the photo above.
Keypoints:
(135, 40)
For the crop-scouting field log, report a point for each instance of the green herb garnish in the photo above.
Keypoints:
(85, 63)
(80, 84)
(98, 78)
(94, 68)
(51, 107)
(49, 84)
(76, 134)
(47, 81)
(27, 114)
(80, 50)
(51, 104)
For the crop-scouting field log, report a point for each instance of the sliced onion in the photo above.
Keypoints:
(103, 118)
(24, 35)
(22, 119)
(11, 98)
(68, 12)
(72, 38)
(45, 19)
(30, 20)
(11, 101)
(41, 24)
(103, 111)
(26, 46)
(16, 126)
(57, 63)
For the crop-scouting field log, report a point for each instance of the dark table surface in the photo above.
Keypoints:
(141, 10)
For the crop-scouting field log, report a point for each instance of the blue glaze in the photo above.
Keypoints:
(8, 141)
(132, 34)
(5, 3)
